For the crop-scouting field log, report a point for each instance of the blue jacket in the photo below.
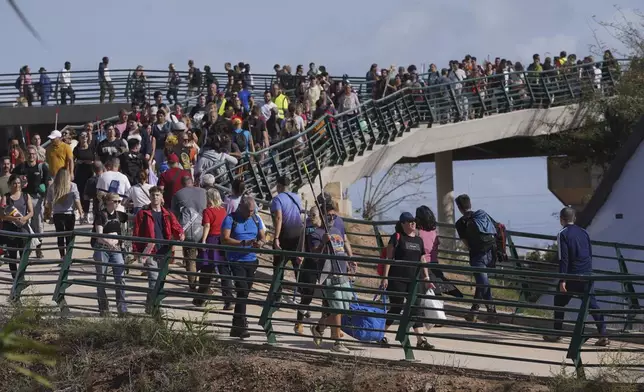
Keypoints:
(45, 85)
(575, 251)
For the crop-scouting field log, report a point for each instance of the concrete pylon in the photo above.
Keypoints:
(445, 196)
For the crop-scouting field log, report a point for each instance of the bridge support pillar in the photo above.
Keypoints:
(445, 196)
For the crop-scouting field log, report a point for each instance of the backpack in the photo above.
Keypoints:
(485, 242)
(290, 127)
(190, 220)
(253, 217)
(241, 140)
(197, 77)
(383, 255)
(18, 84)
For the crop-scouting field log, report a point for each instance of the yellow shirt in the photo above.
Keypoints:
(57, 157)
(282, 105)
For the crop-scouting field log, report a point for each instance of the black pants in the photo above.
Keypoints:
(64, 93)
(289, 244)
(308, 274)
(172, 94)
(226, 284)
(396, 301)
(243, 274)
(578, 288)
(16, 244)
(64, 222)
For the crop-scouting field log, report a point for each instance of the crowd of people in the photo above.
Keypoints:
(161, 163)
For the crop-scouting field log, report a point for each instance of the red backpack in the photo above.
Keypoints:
(383, 255)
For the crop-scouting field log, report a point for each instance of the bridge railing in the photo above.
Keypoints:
(74, 281)
(335, 139)
(87, 87)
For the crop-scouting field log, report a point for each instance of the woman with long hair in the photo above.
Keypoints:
(426, 225)
(62, 198)
(140, 192)
(213, 259)
(16, 212)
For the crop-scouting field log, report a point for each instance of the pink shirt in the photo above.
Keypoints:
(431, 241)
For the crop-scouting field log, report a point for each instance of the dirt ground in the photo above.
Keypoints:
(141, 355)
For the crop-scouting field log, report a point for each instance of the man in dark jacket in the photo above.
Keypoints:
(575, 258)
(133, 161)
(478, 233)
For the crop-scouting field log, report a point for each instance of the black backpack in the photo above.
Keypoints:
(484, 242)
(18, 84)
(197, 77)
(240, 140)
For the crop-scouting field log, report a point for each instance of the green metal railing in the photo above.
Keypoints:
(334, 140)
(86, 86)
(68, 280)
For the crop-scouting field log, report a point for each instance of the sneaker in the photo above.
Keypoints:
(602, 342)
(299, 328)
(244, 334)
(228, 306)
(339, 347)
(317, 336)
(552, 339)
(384, 342)
(472, 317)
(39, 254)
(424, 344)
(199, 303)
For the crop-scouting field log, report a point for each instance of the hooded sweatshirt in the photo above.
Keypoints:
(210, 159)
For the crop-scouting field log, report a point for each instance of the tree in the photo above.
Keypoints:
(401, 183)
(608, 119)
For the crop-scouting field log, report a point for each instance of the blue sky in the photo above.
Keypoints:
(346, 36)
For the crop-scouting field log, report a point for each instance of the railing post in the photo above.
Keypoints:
(456, 102)
(62, 284)
(19, 281)
(402, 334)
(528, 82)
(577, 340)
(627, 287)
(157, 294)
(524, 286)
(265, 319)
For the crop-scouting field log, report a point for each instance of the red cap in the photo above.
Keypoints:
(173, 158)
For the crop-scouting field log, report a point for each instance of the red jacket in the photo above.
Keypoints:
(144, 227)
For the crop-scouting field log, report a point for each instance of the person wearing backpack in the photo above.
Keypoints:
(245, 230)
(477, 231)
(242, 137)
(188, 205)
(35, 178)
(16, 211)
(286, 210)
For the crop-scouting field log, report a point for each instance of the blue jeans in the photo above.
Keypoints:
(483, 290)
(118, 267)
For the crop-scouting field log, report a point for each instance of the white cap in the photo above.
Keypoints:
(55, 134)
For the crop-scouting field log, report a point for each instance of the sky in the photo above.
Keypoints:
(346, 36)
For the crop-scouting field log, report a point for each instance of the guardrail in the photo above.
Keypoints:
(87, 88)
(67, 282)
(333, 140)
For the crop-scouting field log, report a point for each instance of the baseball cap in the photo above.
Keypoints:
(173, 158)
(55, 134)
(406, 217)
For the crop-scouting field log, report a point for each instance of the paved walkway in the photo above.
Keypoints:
(451, 350)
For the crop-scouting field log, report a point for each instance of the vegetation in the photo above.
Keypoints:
(608, 120)
(400, 183)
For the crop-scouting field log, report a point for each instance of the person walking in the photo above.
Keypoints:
(397, 280)
(16, 212)
(477, 232)
(62, 198)
(575, 258)
(426, 225)
(83, 160)
(243, 229)
(286, 211)
(108, 251)
(213, 259)
(155, 222)
(36, 175)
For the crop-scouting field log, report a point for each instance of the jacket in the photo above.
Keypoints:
(144, 227)
(210, 159)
